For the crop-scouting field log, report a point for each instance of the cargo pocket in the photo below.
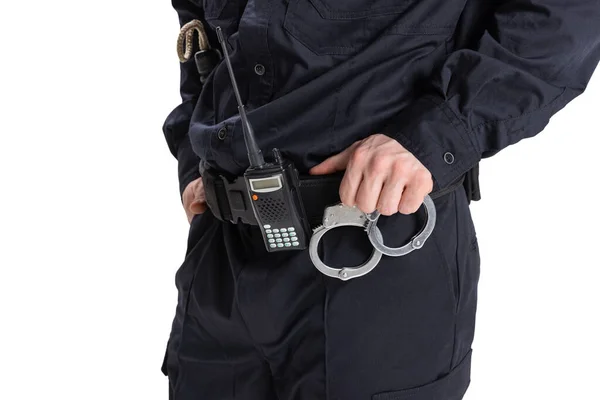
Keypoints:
(345, 27)
(451, 387)
(200, 226)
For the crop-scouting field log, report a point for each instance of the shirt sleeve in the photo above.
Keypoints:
(176, 125)
(532, 58)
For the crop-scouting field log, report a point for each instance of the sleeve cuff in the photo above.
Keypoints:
(188, 165)
(430, 130)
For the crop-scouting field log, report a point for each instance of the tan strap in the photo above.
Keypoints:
(185, 40)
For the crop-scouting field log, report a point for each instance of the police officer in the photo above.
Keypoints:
(403, 99)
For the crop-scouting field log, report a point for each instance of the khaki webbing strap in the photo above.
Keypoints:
(185, 40)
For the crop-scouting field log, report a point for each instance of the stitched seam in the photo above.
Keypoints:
(346, 15)
(455, 120)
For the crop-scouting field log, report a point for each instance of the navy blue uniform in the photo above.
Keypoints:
(453, 81)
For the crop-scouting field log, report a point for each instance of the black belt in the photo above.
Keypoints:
(227, 198)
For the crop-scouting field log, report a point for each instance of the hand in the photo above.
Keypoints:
(194, 199)
(380, 174)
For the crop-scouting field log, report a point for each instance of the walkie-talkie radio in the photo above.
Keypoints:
(272, 187)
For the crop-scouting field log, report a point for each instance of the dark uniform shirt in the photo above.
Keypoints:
(452, 80)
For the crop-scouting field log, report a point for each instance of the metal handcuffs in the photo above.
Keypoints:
(340, 215)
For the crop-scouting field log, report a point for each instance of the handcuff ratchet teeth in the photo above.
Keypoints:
(340, 215)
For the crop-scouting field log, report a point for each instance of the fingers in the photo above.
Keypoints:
(414, 194)
(334, 163)
(350, 185)
(199, 195)
(382, 175)
(374, 174)
(194, 199)
(390, 196)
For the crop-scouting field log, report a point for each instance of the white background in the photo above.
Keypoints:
(92, 229)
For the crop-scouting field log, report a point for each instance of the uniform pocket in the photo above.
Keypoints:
(345, 27)
(451, 387)
(356, 9)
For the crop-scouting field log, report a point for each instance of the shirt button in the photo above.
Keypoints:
(449, 158)
(259, 69)
(222, 133)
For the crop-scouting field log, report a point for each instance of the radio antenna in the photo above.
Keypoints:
(254, 154)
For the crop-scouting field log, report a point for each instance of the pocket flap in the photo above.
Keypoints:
(451, 387)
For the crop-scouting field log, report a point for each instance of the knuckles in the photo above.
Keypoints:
(380, 165)
(360, 155)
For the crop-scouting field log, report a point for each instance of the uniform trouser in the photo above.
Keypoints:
(251, 325)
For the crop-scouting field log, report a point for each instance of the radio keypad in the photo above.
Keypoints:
(281, 237)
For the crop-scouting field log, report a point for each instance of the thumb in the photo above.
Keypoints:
(334, 163)
(197, 207)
